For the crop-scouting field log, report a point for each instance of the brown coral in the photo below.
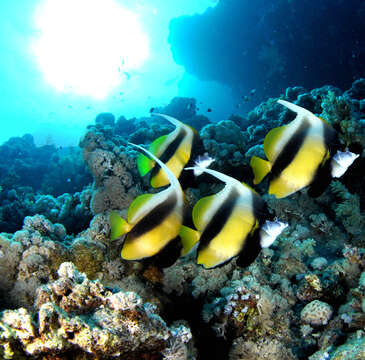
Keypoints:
(79, 315)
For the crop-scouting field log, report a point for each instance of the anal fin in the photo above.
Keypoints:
(168, 255)
(321, 180)
(250, 251)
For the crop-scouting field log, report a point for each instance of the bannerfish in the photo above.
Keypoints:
(153, 223)
(231, 223)
(302, 153)
(175, 150)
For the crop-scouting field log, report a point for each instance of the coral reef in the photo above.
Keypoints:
(113, 169)
(48, 169)
(71, 210)
(31, 256)
(304, 297)
(79, 315)
(316, 313)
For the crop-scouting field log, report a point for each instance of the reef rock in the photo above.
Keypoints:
(74, 314)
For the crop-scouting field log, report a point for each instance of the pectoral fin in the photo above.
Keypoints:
(136, 205)
(118, 226)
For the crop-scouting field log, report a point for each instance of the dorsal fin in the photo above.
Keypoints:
(296, 108)
(136, 205)
(171, 119)
(217, 174)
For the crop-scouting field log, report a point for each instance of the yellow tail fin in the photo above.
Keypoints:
(145, 164)
(118, 226)
(260, 168)
(189, 239)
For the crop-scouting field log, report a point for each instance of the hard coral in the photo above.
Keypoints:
(113, 168)
(264, 349)
(224, 141)
(77, 314)
(29, 258)
(248, 308)
(32, 255)
(316, 313)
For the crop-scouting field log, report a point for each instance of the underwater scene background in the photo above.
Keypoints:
(101, 257)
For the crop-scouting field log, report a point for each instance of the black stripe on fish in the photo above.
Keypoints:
(170, 151)
(290, 150)
(331, 139)
(187, 178)
(168, 255)
(154, 218)
(198, 147)
(323, 177)
(260, 210)
(219, 219)
(250, 250)
(321, 180)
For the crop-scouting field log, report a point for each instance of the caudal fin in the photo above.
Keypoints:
(189, 238)
(260, 168)
(170, 175)
(146, 164)
(118, 226)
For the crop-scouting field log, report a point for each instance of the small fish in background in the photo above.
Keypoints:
(303, 153)
(153, 223)
(253, 92)
(152, 110)
(175, 150)
(209, 110)
(231, 223)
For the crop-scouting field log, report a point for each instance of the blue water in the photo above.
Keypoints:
(215, 51)
(30, 104)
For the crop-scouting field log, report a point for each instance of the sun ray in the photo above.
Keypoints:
(88, 46)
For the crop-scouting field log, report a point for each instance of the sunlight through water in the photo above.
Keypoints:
(87, 47)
